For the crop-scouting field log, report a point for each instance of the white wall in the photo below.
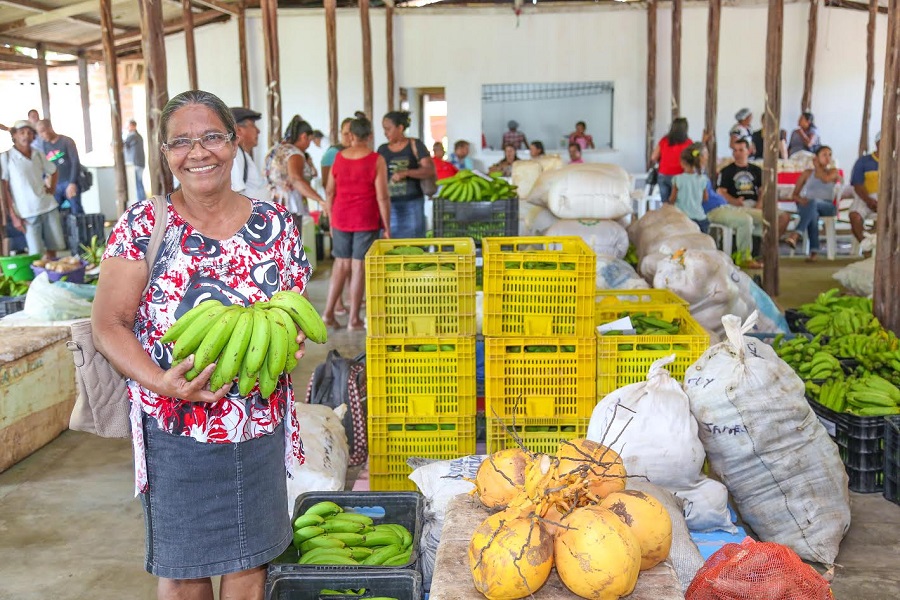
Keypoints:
(461, 49)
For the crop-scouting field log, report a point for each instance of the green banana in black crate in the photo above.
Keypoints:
(467, 186)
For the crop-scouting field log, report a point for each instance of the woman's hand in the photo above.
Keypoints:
(301, 337)
(398, 176)
(175, 385)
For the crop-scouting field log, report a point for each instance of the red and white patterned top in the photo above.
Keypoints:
(265, 256)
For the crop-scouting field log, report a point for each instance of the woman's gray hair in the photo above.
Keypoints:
(210, 101)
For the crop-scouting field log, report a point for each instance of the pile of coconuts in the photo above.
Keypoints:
(570, 511)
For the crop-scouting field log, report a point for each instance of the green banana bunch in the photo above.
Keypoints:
(325, 534)
(844, 321)
(9, 287)
(94, 253)
(405, 251)
(832, 300)
(467, 186)
(248, 344)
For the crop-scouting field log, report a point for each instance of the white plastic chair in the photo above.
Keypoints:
(726, 234)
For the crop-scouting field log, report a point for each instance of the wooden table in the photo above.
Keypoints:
(453, 580)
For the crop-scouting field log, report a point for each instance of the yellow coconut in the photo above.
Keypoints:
(648, 519)
(601, 467)
(596, 555)
(501, 477)
(510, 555)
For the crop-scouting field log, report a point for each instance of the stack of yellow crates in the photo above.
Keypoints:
(420, 354)
(539, 340)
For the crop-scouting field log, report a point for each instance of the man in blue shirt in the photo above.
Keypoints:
(459, 158)
(61, 151)
(864, 179)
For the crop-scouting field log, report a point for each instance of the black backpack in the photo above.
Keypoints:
(85, 178)
(340, 381)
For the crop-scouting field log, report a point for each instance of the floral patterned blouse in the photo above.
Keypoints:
(280, 183)
(265, 256)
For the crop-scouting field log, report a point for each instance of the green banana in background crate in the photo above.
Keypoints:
(8, 287)
(467, 186)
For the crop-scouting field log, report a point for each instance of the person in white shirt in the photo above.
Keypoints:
(29, 180)
(246, 178)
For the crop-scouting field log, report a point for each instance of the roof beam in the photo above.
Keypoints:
(222, 7)
(169, 27)
(44, 9)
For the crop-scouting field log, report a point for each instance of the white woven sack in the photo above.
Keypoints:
(584, 191)
(764, 442)
(651, 219)
(602, 236)
(650, 425)
(325, 450)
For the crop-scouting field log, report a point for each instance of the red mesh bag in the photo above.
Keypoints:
(757, 571)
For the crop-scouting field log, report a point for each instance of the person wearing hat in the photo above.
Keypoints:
(741, 129)
(864, 179)
(29, 180)
(514, 136)
(246, 177)
(134, 156)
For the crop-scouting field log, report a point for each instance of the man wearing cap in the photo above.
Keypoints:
(134, 155)
(29, 180)
(246, 178)
(514, 136)
(864, 179)
(741, 129)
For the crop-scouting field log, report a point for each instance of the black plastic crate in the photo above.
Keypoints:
(11, 304)
(476, 219)
(861, 443)
(81, 228)
(308, 585)
(892, 458)
(402, 508)
(796, 320)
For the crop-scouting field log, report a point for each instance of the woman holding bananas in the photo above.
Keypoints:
(209, 463)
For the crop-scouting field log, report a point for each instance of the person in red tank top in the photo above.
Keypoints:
(359, 206)
(668, 153)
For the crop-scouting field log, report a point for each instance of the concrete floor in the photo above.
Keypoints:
(70, 528)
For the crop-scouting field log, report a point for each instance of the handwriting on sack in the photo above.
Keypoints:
(724, 429)
(702, 382)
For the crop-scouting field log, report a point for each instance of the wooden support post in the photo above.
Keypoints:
(389, 42)
(188, 16)
(43, 81)
(870, 77)
(367, 58)
(154, 49)
(651, 78)
(771, 130)
(712, 82)
(676, 58)
(812, 34)
(887, 267)
(85, 100)
(334, 133)
(115, 115)
(273, 86)
(242, 53)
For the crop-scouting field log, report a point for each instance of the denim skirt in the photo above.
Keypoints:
(212, 509)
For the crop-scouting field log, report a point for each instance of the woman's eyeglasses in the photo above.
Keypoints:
(210, 141)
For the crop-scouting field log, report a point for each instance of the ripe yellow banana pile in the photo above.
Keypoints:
(255, 343)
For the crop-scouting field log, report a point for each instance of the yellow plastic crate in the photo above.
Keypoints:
(404, 382)
(640, 300)
(559, 384)
(624, 359)
(538, 435)
(556, 301)
(436, 302)
(392, 440)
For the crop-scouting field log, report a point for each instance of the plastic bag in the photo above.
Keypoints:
(858, 277)
(650, 425)
(764, 442)
(757, 570)
(47, 301)
(325, 449)
(439, 482)
(602, 236)
(616, 274)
